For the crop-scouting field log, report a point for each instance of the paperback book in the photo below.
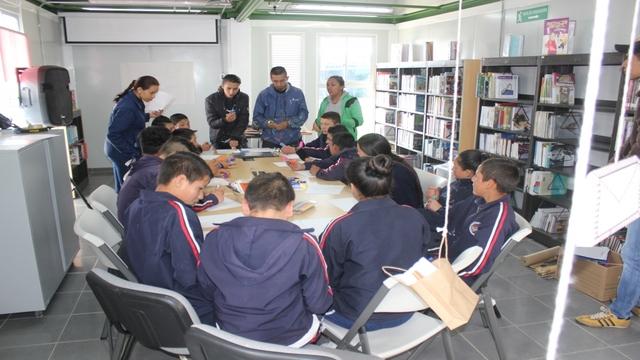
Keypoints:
(555, 40)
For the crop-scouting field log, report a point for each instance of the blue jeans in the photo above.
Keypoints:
(629, 287)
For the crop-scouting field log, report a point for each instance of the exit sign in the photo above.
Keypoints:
(533, 14)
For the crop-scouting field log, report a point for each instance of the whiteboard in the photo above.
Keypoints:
(175, 77)
(111, 28)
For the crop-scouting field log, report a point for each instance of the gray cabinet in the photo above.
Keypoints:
(36, 220)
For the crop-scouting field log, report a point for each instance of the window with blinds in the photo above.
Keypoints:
(287, 50)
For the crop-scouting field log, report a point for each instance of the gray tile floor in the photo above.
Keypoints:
(70, 328)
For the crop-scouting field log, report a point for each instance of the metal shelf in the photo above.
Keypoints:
(511, 61)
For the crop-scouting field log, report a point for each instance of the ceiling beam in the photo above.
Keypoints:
(359, 3)
(246, 9)
(442, 9)
(303, 17)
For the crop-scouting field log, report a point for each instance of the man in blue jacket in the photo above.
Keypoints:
(265, 276)
(164, 236)
(280, 111)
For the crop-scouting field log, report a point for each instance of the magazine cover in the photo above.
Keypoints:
(556, 36)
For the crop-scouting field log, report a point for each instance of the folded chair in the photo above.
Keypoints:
(209, 343)
(392, 297)
(486, 307)
(105, 200)
(154, 317)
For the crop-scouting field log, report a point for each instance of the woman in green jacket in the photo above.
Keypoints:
(341, 102)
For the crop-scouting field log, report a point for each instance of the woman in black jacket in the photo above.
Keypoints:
(228, 114)
(405, 186)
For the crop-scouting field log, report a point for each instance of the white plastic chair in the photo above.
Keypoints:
(105, 200)
(392, 297)
(466, 258)
(428, 179)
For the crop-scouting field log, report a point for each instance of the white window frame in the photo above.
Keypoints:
(302, 53)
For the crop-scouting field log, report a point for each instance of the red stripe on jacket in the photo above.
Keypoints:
(185, 231)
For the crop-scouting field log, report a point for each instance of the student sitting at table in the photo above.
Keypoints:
(163, 121)
(486, 219)
(144, 172)
(190, 135)
(181, 121)
(405, 188)
(343, 150)
(317, 148)
(164, 235)
(265, 277)
(376, 232)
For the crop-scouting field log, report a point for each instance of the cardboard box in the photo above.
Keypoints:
(594, 279)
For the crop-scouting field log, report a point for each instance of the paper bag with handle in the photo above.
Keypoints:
(441, 288)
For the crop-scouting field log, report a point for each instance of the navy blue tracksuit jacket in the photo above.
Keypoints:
(405, 186)
(317, 148)
(460, 190)
(374, 233)
(163, 237)
(334, 167)
(488, 225)
(266, 278)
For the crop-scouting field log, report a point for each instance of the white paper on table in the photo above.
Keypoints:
(218, 182)
(207, 157)
(281, 164)
(227, 151)
(160, 102)
(320, 189)
(209, 220)
(259, 150)
(291, 156)
(593, 252)
(317, 224)
(344, 204)
(226, 204)
(303, 174)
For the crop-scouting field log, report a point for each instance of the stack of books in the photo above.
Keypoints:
(439, 149)
(557, 88)
(507, 145)
(438, 128)
(440, 106)
(413, 82)
(552, 220)
(386, 80)
(410, 102)
(443, 84)
(409, 140)
(550, 154)
(410, 121)
(552, 125)
(506, 117)
(497, 86)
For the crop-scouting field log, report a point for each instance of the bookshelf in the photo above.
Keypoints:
(553, 129)
(414, 108)
(77, 150)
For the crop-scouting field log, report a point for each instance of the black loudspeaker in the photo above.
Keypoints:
(45, 96)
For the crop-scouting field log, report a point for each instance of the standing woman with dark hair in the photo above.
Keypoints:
(405, 185)
(125, 123)
(375, 232)
(343, 103)
(228, 114)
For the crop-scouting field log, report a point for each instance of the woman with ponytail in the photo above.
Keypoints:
(405, 185)
(125, 123)
(374, 233)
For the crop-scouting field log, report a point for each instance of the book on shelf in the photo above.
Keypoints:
(428, 50)
(411, 102)
(439, 149)
(557, 125)
(386, 99)
(556, 88)
(410, 121)
(386, 80)
(409, 140)
(443, 84)
(387, 131)
(512, 45)
(552, 220)
(555, 40)
(631, 102)
(508, 145)
(440, 106)
(412, 82)
(497, 85)
(445, 50)
(72, 134)
(506, 116)
(399, 53)
(614, 242)
(542, 182)
(552, 155)
(385, 116)
(438, 128)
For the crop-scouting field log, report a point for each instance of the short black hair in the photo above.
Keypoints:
(161, 121)
(231, 78)
(176, 144)
(343, 140)
(278, 70)
(333, 116)
(184, 133)
(371, 175)
(503, 171)
(179, 139)
(339, 79)
(183, 163)
(151, 139)
(337, 129)
(269, 191)
(471, 159)
(177, 117)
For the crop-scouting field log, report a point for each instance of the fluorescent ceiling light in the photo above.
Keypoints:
(319, 14)
(141, 10)
(341, 8)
